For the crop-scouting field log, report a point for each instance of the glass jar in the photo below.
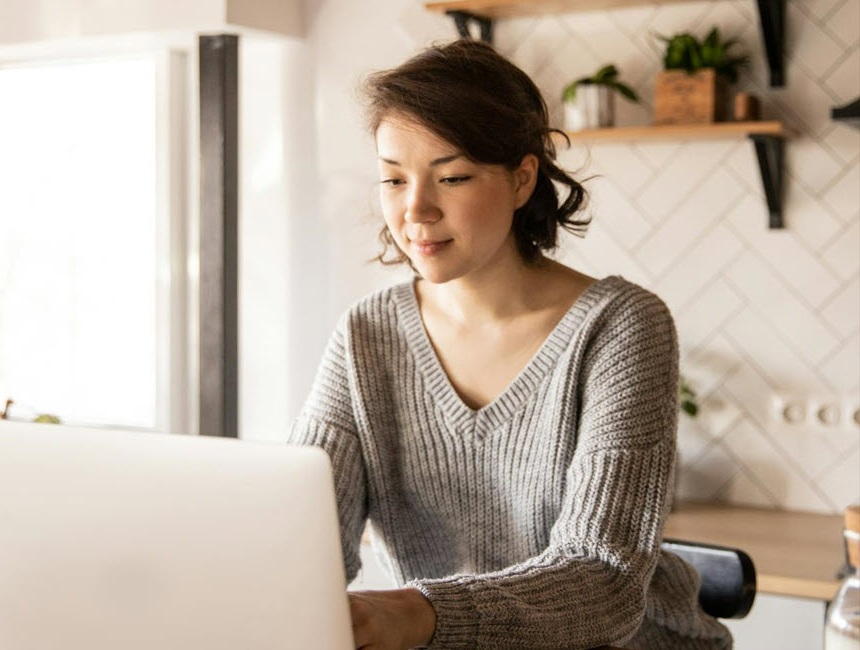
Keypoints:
(842, 626)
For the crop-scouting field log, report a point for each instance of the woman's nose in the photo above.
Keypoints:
(421, 205)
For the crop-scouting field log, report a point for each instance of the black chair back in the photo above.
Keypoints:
(728, 576)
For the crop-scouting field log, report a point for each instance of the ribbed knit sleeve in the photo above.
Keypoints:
(327, 421)
(589, 586)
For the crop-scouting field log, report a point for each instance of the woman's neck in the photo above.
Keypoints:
(502, 295)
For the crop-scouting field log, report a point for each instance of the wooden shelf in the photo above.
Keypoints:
(517, 8)
(680, 132)
(771, 18)
(767, 137)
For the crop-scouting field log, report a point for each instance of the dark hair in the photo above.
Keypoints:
(471, 96)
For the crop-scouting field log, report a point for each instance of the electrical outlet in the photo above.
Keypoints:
(820, 413)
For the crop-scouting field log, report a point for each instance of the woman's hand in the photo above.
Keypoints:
(396, 619)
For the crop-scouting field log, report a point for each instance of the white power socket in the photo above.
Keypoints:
(826, 413)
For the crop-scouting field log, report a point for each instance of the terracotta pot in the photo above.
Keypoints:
(681, 98)
(592, 108)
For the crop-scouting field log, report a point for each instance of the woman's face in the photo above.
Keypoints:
(452, 217)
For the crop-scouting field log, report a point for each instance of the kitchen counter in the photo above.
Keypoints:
(795, 553)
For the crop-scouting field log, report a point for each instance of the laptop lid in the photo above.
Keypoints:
(111, 539)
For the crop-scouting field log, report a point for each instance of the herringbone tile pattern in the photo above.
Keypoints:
(761, 313)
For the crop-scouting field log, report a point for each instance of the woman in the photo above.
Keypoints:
(507, 424)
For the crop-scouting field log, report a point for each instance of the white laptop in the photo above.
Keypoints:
(115, 540)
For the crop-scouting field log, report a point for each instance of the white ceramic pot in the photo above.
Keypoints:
(592, 108)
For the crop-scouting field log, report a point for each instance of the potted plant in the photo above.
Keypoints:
(692, 87)
(589, 102)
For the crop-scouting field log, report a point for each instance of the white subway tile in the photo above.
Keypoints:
(617, 213)
(843, 196)
(622, 167)
(842, 255)
(789, 317)
(842, 310)
(747, 490)
(709, 198)
(708, 366)
(706, 476)
(778, 362)
(757, 452)
(843, 23)
(658, 154)
(800, 266)
(807, 496)
(809, 47)
(718, 413)
(841, 482)
(808, 218)
(816, 9)
(701, 264)
(706, 313)
(509, 34)
(811, 165)
(843, 140)
(692, 440)
(842, 369)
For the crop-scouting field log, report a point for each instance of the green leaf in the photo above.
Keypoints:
(684, 52)
(605, 74)
(712, 40)
(626, 91)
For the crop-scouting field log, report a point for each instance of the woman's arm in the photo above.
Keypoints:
(326, 421)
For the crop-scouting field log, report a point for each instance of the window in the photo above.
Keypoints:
(87, 243)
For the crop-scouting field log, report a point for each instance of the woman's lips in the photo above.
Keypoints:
(430, 247)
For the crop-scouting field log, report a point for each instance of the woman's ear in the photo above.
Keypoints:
(525, 177)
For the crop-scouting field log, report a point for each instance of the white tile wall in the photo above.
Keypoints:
(760, 313)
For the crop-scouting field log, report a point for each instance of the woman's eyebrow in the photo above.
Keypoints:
(433, 163)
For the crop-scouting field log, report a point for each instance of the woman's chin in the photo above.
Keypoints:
(434, 274)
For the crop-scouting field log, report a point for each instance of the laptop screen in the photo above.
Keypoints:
(135, 540)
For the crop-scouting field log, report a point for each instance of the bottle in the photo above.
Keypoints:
(842, 626)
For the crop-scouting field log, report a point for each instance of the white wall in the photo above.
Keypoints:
(760, 313)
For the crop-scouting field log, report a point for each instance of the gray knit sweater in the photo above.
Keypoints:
(535, 521)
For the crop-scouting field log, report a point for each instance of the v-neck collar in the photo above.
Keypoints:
(479, 422)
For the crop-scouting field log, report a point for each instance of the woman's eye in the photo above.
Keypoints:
(392, 182)
(455, 180)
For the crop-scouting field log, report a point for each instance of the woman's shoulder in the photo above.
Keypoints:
(614, 312)
(624, 299)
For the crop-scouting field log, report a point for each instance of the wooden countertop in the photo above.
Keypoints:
(795, 553)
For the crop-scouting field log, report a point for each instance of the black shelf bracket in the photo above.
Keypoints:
(772, 20)
(850, 113)
(464, 20)
(769, 150)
